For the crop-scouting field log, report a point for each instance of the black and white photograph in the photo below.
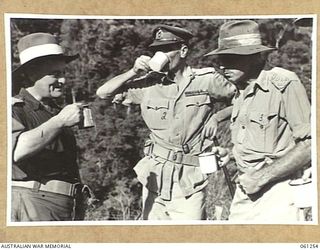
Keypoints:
(162, 120)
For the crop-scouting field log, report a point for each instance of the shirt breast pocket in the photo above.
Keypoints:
(197, 102)
(156, 113)
(260, 132)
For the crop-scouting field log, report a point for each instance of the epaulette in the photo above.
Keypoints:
(15, 100)
(281, 78)
(203, 71)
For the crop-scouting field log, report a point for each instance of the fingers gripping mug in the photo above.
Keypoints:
(158, 61)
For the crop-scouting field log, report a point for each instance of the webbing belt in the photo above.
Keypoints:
(178, 157)
(53, 186)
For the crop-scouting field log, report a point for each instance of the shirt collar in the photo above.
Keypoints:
(261, 82)
(35, 104)
(28, 98)
(189, 72)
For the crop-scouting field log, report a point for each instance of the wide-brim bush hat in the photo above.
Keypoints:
(239, 38)
(167, 35)
(38, 47)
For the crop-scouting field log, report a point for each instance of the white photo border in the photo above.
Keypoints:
(9, 16)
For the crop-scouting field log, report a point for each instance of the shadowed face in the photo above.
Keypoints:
(236, 68)
(48, 78)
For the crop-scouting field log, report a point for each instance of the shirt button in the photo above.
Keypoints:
(243, 127)
(261, 126)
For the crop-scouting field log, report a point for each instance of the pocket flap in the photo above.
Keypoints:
(158, 104)
(259, 117)
(198, 100)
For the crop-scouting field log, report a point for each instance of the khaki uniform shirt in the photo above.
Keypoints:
(268, 117)
(57, 160)
(176, 114)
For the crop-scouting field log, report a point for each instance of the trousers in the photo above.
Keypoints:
(28, 205)
(274, 205)
(178, 208)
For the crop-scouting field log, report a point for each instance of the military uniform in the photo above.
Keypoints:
(43, 184)
(175, 114)
(268, 117)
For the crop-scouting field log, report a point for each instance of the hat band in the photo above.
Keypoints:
(38, 51)
(168, 39)
(166, 36)
(240, 40)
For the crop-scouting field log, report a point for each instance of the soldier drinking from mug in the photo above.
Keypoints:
(178, 112)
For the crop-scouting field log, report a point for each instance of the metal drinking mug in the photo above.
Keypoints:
(86, 120)
(158, 61)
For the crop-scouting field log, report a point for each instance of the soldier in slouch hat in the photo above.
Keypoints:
(45, 174)
(270, 127)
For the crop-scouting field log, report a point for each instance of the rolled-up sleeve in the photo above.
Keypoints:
(17, 129)
(298, 111)
(220, 87)
(134, 96)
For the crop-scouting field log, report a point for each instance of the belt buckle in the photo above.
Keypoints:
(185, 148)
(176, 156)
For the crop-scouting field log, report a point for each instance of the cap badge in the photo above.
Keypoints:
(159, 34)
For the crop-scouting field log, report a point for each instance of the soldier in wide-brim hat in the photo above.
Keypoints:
(270, 127)
(35, 49)
(45, 174)
(239, 38)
